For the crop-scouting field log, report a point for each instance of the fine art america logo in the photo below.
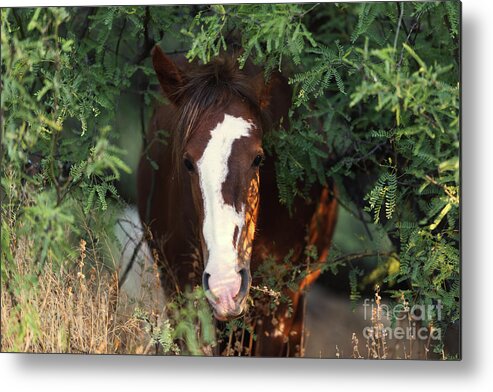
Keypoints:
(406, 322)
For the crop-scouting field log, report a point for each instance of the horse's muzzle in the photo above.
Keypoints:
(227, 294)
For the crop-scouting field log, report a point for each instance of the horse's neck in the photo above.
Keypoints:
(279, 231)
(165, 201)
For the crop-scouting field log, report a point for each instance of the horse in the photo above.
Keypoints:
(207, 192)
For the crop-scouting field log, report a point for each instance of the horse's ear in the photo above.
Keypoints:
(169, 75)
(263, 91)
(275, 96)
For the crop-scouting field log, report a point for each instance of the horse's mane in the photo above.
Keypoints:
(210, 88)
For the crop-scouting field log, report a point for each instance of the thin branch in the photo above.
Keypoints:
(356, 256)
(401, 6)
(130, 264)
(119, 40)
(148, 41)
(454, 198)
(348, 209)
(19, 23)
(414, 29)
(309, 10)
(85, 27)
(365, 224)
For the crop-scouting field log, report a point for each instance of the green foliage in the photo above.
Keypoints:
(300, 160)
(63, 71)
(187, 327)
(97, 174)
(384, 192)
(366, 17)
(353, 284)
(160, 333)
(320, 76)
(206, 34)
(193, 323)
(420, 188)
(269, 32)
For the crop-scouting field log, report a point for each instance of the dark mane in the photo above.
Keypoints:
(209, 88)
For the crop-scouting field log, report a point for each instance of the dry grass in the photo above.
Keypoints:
(378, 343)
(71, 311)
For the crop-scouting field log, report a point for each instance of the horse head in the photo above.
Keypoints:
(217, 147)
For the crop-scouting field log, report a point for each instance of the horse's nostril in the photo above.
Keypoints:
(207, 289)
(205, 285)
(245, 283)
(205, 280)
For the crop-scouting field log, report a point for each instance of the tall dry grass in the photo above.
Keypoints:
(78, 310)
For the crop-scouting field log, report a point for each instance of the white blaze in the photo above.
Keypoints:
(220, 219)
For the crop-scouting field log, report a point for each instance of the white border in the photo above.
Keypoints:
(81, 373)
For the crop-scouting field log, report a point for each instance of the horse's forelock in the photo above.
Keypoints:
(209, 88)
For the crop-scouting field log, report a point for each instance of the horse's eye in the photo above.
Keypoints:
(257, 161)
(189, 165)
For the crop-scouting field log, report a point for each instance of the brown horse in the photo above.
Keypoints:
(209, 195)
